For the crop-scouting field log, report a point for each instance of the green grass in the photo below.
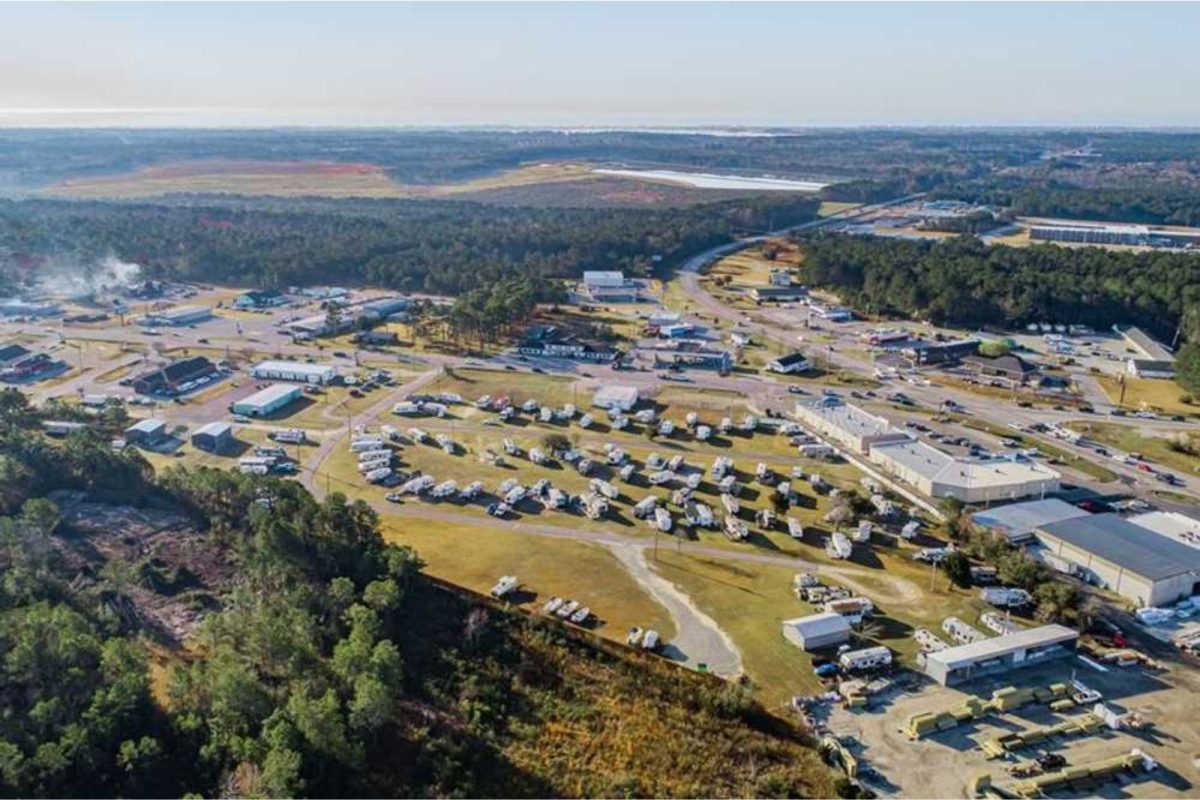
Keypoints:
(1147, 394)
(475, 557)
(1127, 438)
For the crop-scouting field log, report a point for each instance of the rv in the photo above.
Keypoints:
(654, 461)
(660, 477)
(365, 443)
(749, 424)
(594, 506)
(580, 616)
(505, 585)
(795, 529)
(862, 534)
(443, 489)
(1004, 597)
(729, 485)
(691, 419)
(291, 436)
(910, 530)
(585, 421)
(620, 422)
(662, 520)
(417, 435)
(537, 456)
(765, 518)
(484, 402)
(675, 463)
(839, 546)
(666, 428)
(731, 504)
(552, 605)
(530, 406)
(507, 413)
(378, 475)
(646, 416)
(584, 466)
(605, 488)
(693, 479)
(567, 609)
(762, 472)
(650, 640)
(703, 433)
(417, 485)
(554, 499)
(626, 472)
(515, 495)
(546, 414)
(471, 491)
(852, 608)
(998, 624)
(725, 425)
(735, 529)
(961, 632)
(499, 510)
(869, 658)
(645, 507)
(698, 514)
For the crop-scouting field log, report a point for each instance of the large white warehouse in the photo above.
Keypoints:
(937, 474)
(297, 371)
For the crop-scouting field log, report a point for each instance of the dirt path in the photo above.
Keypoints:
(698, 639)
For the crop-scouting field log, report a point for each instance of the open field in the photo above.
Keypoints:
(1126, 438)
(1146, 393)
(475, 557)
(291, 179)
(750, 600)
(830, 207)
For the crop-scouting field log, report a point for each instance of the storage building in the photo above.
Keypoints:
(1135, 562)
(817, 631)
(1016, 522)
(148, 432)
(622, 398)
(267, 401)
(1025, 648)
(937, 474)
(213, 437)
(180, 315)
(298, 371)
(847, 425)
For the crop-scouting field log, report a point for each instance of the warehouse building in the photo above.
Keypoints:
(1172, 524)
(1137, 563)
(1017, 522)
(175, 378)
(778, 294)
(259, 298)
(937, 474)
(1156, 369)
(298, 371)
(1024, 648)
(609, 286)
(817, 630)
(178, 316)
(214, 437)
(146, 432)
(1112, 233)
(847, 425)
(267, 401)
(622, 398)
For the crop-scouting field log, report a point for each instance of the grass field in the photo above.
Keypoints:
(475, 557)
(1127, 439)
(1147, 394)
(292, 179)
(750, 600)
(828, 208)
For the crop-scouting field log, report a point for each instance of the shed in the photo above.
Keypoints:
(146, 432)
(213, 437)
(817, 631)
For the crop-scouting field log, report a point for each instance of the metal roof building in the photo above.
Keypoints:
(213, 437)
(1172, 524)
(622, 398)
(267, 401)
(1017, 521)
(148, 431)
(937, 474)
(1133, 561)
(1000, 653)
(299, 371)
(817, 631)
(847, 425)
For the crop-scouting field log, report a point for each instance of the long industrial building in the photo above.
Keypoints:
(1112, 233)
(847, 425)
(937, 474)
(298, 371)
(1138, 563)
(267, 401)
(1024, 648)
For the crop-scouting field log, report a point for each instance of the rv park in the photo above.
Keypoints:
(741, 476)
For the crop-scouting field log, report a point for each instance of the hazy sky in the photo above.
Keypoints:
(597, 64)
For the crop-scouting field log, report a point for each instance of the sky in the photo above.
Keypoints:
(599, 64)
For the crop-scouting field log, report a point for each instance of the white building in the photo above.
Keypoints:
(847, 425)
(622, 398)
(1017, 522)
(595, 279)
(937, 474)
(789, 364)
(297, 371)
(817, 630)
(1148, 368)
(1171, 524)
(1028, 647)
(180, 315)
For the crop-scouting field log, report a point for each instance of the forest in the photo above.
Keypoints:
(415, 246)
(324, 663)
(1145, 205)
(962, 281)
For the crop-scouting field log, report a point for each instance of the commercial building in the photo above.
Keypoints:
(147, 432)
(1172, 524)
(267, 401)
(817, 631)
(791, 363)
(1009, 367)
(622, 398)
(298, 371)
(1024, 648)
(936, 474)
(693, 355)
(1142, 566)
(1147, 368)
(259, 298)
(831, 313)
(609, 286)
(921, 352)
(1017, 522)
(175, 378)
(180, 315)
(1112, 233)
(213, 437)
(778, 294)
(847, 425)
(549, 341)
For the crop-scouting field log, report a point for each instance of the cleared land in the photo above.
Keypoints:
(1146, 393)
(475, 557)
(1156, 448)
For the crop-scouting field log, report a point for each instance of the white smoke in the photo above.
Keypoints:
(88, 278)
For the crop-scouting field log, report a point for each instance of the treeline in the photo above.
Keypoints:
(962, 281)
(420, 246)
(329, 667)
(1152, 205)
